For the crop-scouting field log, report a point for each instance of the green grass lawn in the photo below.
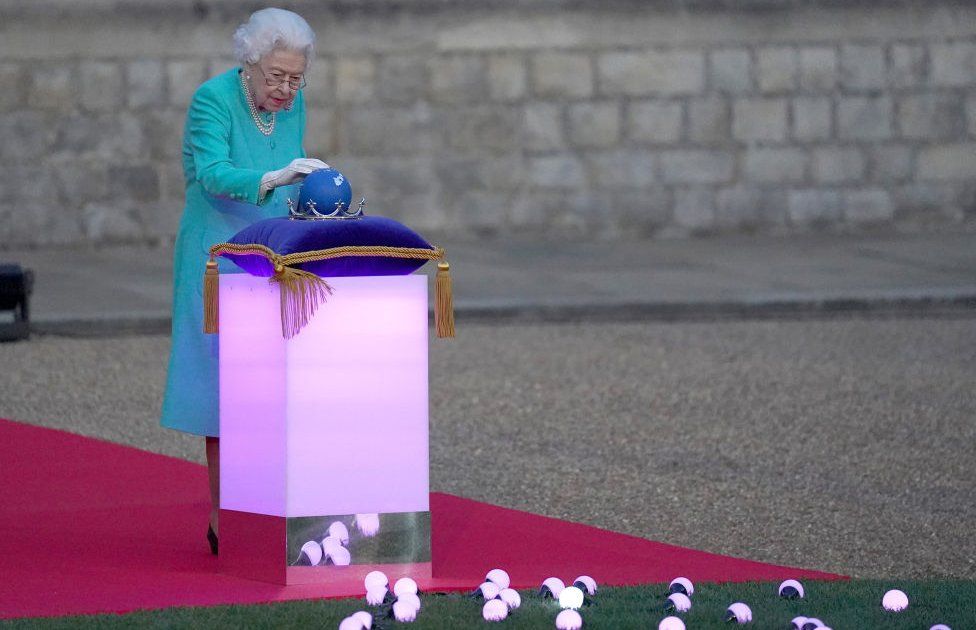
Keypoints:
(842, 605)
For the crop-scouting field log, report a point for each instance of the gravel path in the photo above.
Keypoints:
(845, 445)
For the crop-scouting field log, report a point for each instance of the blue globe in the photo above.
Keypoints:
(325, 188)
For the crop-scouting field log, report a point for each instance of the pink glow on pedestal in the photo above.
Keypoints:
(343, 401)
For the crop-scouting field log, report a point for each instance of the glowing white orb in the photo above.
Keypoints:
(798, 622)
(404, 585)
(376, 595)
(585, 583)
(339, 530)
(404, 611)
(812, 623)
(364, 618)
(330, 543)
(339, 555)
(494, 610)
(739, 613)
(350, 623)
(410, 598)
(569, 620)
(823, 628)
(374, 579)
(894, 600)
(368, 524)
(679, 602)
(571, 597)
(510, 597)
(940, 626)
(499, 577)
(313, 552)
(487, 590)
(791, 589)
(682, 585)
(671, 623)
(552, 587)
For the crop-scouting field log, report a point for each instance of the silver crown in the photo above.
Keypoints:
(310, 211)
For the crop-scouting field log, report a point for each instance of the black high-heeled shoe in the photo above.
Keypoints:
(212, 539)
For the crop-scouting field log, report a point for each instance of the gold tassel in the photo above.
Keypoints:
(301, 293)
(444, 301)
(211, 297)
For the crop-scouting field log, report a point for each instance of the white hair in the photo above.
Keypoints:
(272, 28)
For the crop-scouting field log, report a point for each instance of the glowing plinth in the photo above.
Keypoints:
(330, 426)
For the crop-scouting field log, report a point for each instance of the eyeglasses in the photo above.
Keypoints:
(275, 79)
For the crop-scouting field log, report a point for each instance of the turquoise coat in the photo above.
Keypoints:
(224, 157)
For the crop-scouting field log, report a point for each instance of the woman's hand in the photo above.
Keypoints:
(296, 170)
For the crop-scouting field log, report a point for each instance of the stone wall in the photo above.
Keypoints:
(614, 119)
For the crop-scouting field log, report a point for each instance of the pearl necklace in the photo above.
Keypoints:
(264, 127)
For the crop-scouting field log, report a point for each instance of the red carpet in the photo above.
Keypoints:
(90, 526)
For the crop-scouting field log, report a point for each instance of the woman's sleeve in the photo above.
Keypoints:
(208, 128)
(300, 103)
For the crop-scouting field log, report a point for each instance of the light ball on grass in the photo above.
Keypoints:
(571, 597)
(812, 623)
(410, 598)
(339, 530)
(374, 579)
(364, 618)
(791, 589)
(678, 602)
(681, 585)
(894, 600)
(351, 623)
(339, 556)
(331, 543)
(671, 623)
(404, 585)
(376, 595)
(368, 524)
(739, 613)
(486, 591)
(569, 620)
(585, 583)
(404, 611)
(940, 626)
(494, 610)
(797, 623)
(511, 597)
(551, 587)
(499, 577)
(312, 552)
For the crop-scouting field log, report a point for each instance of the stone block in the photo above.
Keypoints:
(27, 135)
(750, 207)
(507, 77)
(696, 166)
(110, 222)
(355, 79)
(947, 162)
(13, 79)
(557, 171)
(319, 88)
(100, 85)
(818, 69)
(458, 170)
(219, 65)
(26, 184)
(657, 122)
(862, 67)
(594, 124)
(765, 165)
(971, 115)
(53, 86)
(483, 212)
(812, 118)
(864, 118)
(401, 78)
(484, 128)
(172, 187)
(542, 127)
(622, 168)
(320, 132)
(668, 73)
(636, 214)
(183, 77)
(818, 207)
(458, 79)
(694, 208)
(709, 120)
(562, 75)
(378, 130)
(833, 165)
(162, 130)
(907, 65)
(759, 119)
(146, 83)
(953, 64)
(729, 71)
(137, 182)
(869, 205)
(923, 200)
(890, 162)
(81, 181)
(932, 116)
(776, 69)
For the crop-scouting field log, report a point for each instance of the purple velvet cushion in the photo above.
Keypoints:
(289, 236)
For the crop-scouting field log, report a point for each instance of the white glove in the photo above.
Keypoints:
(296, 170)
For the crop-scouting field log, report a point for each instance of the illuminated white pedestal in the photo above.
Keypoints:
(322, 427)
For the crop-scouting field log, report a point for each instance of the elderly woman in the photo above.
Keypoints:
(242, 153)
